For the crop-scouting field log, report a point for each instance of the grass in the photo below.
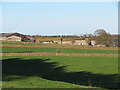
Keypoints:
(65, 50)
(20, 43)
(60, 72)
(37, 44)
(37, 82)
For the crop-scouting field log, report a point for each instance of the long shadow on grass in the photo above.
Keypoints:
(49, 70)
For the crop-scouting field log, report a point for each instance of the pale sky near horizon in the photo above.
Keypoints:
(53, 18)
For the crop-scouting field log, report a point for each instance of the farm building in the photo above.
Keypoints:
(93, 42)
(81, 42)
(114, 44)
(46, 41)
(3, 36)
(63, 42)
(77, 42)
(15, 37)
(84, 42)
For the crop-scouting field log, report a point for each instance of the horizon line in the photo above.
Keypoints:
(58, 34)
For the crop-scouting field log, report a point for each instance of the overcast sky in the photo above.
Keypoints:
(53, 18)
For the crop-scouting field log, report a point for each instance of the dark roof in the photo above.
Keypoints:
(5, 34)
(16, 34)
(116, 35)
(11, 34)
(79, 39)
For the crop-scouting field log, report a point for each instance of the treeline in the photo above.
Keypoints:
(56, 36)
(64, 36)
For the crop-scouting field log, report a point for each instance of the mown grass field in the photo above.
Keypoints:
(59, 71)
(20, 43)
(65, 50)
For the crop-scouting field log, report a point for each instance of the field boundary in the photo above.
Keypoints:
(57, 54)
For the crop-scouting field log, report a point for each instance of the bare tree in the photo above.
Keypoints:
(104, 39)
(99, 32)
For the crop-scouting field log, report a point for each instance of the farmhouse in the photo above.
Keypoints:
(15, 37)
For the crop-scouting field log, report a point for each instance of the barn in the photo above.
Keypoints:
(15, 37)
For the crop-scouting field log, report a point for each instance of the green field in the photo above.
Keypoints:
(62, 50)
(20, 43)
(60, 72)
